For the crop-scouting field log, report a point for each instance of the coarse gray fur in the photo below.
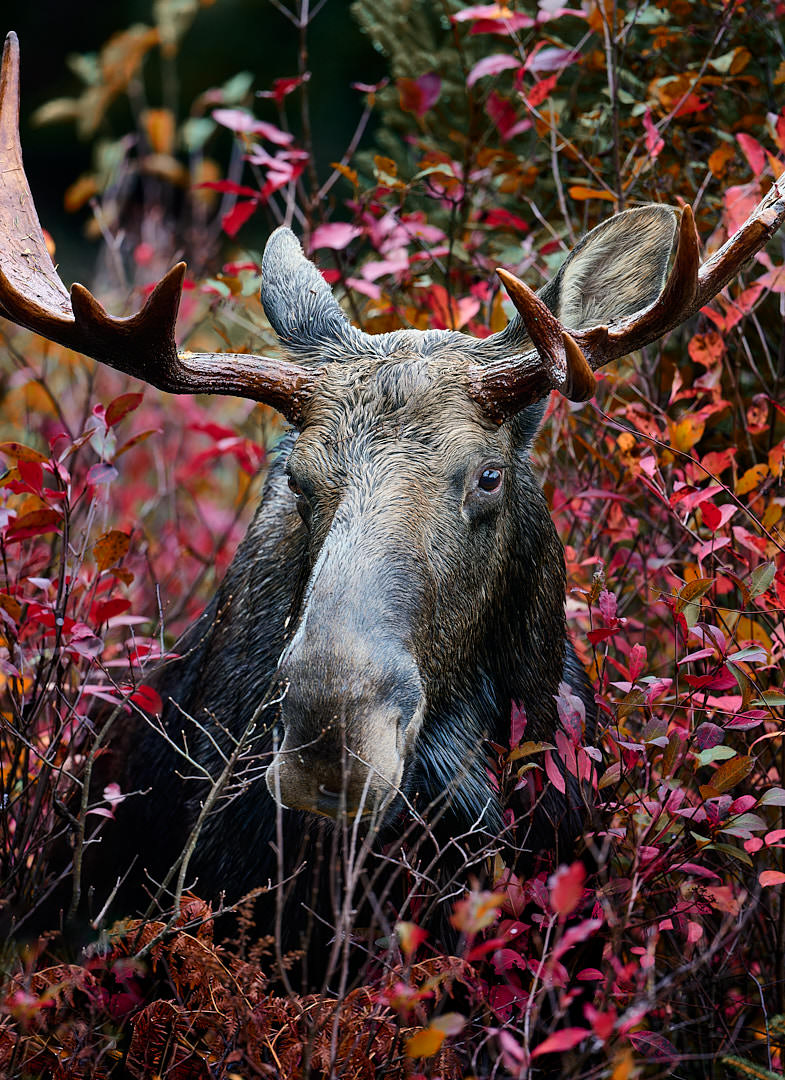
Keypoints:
(401, 622)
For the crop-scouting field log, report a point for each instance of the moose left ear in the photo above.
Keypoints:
(299, 303)
(618, 268)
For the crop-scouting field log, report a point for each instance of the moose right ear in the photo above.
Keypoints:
(299, 303)
(617, 269)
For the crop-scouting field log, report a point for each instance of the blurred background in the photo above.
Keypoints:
(221, 39)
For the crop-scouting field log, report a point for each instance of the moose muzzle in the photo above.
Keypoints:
(347, 730)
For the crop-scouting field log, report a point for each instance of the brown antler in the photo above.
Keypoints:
(565, 360)
(32, 295)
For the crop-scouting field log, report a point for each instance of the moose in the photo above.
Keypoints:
(402, 583)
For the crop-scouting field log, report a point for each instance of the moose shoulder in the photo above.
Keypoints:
(401, 584)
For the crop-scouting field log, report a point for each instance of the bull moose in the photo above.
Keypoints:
(401, 583)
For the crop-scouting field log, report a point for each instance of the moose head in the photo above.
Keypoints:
(423, 529)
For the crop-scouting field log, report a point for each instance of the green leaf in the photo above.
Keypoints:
(715, 753)
(734, 852)
(761, 578)
(775, 796)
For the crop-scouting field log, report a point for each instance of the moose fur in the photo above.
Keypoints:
(387, 612)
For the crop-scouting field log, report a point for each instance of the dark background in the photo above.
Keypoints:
(227, 37)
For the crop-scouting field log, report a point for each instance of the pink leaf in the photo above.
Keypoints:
(243, 122)
(335, 235)
(654, 142)
(554, 774)
(419, 95)
(771, 877)
(517, 723)
(491, 65)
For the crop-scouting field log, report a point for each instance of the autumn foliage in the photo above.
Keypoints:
(501, 135)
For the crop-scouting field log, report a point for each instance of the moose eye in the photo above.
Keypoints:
(490, 480)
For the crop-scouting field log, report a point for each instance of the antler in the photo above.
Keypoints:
(32, 295)
(565, 360)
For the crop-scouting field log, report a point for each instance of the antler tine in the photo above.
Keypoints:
(32, 295)
(504, 387)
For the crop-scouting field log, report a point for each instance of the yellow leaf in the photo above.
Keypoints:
(425, 1043)
(772, 515)
(779, 76)
(624, 1067)
(692, 591)
(578, 191)
(749, 480)
(686, 432)
(110, 548)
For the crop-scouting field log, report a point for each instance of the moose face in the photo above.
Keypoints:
(408, 495)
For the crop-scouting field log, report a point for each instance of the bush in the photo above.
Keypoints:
(120, 511)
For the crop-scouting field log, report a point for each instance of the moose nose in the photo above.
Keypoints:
(346, 732)
(325, 776)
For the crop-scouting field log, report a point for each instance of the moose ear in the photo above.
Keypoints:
(617, 269)
(299, 303)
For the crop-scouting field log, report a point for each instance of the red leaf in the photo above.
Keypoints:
(32, 473)
(566, 887)
(148, 699)
(419, 95)
(566, 1039)
(284, 86)
(541, 90)
(753, 152)
(237, 217)
(654, 1046)
(122, 406)
(33, 523)
(500, 218)
(230, 187)
(107, 610)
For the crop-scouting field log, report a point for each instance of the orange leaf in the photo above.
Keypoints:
(732, 772)
(578, 191)
(719, 158)
(18, 452)
(110, 548)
